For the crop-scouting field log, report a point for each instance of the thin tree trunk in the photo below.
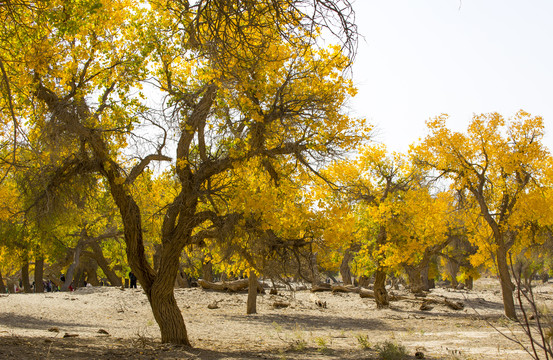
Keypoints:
(315, 277)
(2, 286)
(380, 293)
(25, 277)
(345, 270)
(252, 293)
(39, 274)
(507, 286)
(469, 282)
(73, 267)
(207, 269)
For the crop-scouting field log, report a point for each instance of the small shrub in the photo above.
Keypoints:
(363, 341)
(391, 351)
(322, 345)
(298, 345)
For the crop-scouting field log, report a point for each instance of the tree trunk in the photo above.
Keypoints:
(345, 270)
(252, 293)
(453, 269)
(2, 286)
(160, 293)
(79, 276)
(469, 282)
(181, 280)
(156, 258)
(207, 269)
(415, 281)
(168, 316)
(91, 269)
(39, 274)
(25, 277)
(104, 265)
(73, 267)
(380, 293)
(506, 284)
(315, 277)
(424, 277)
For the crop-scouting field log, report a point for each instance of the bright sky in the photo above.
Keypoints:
(421, 58)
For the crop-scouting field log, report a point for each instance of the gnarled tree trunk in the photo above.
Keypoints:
(168, 316)
(160, 293)
(380, 293)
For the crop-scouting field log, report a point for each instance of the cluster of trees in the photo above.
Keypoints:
(177, 138)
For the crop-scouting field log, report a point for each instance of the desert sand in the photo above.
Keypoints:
(110, 323)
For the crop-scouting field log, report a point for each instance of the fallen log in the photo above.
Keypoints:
(345, 289)
(366, 293)
(280, 304)
(321, 287)
(231, 286)
(454, 305)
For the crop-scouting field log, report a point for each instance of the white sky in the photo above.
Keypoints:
(421, 58)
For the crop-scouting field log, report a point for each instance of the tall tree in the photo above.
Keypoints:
(499, 163)
(375, 180)
(240, 80)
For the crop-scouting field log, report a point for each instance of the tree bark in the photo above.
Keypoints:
(25, 277)
(156, 258)
(168, 316)
(252, 293)
(39, 274)
(380, 293)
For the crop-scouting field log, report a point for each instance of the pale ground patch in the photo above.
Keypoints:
(301, 331)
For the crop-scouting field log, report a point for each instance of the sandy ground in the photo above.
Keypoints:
(110, 323)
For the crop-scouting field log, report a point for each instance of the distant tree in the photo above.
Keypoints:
(503, 166)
